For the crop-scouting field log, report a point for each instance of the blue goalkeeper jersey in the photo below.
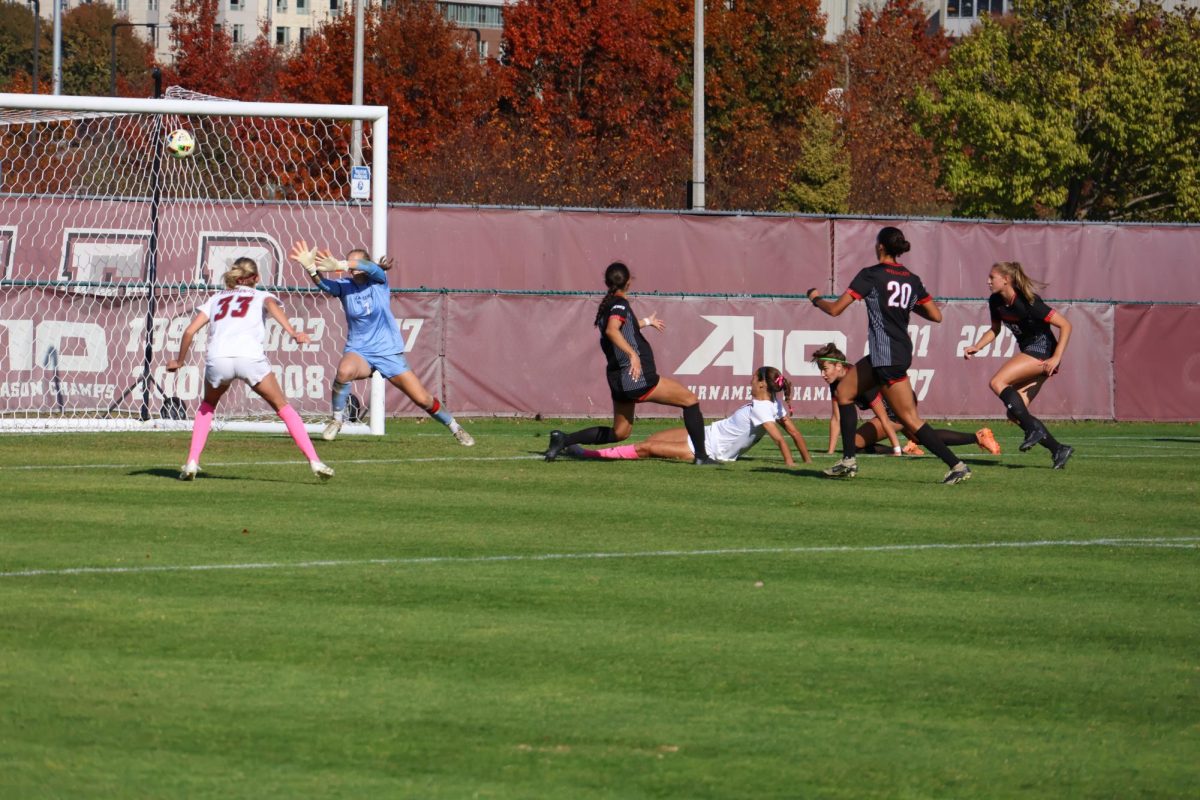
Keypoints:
(373, 328)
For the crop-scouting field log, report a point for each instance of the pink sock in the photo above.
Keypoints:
(295, 427)
(624, 451)
(200, 429)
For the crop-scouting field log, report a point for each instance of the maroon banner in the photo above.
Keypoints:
(1078, 262)
(534, 354)
(1157, 370)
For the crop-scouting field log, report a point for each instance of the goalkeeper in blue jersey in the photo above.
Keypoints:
(374, 341)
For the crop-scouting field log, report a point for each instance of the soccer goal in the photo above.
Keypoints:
(109, 241)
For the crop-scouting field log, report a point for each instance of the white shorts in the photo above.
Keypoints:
(712, 448)
(220, 371)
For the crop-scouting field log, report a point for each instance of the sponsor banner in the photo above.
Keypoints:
(1157, 369)
(541, 355)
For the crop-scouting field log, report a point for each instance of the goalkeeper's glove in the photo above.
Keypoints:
(308, 260)
(329, 264)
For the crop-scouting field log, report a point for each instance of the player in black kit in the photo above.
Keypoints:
(891, 293)
(632, 378)
(1032, 322)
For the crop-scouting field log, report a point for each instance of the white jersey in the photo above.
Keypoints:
(728, 438)
(236, 327)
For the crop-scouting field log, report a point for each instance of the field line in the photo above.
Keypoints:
(1183, 542)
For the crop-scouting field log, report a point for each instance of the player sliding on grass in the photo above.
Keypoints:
(374, 341)
(726, 439)
(834, 366)
(891, 293)
(235, 352)
(1018, 381)
(632, 378)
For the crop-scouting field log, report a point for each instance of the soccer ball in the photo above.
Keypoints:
(180, 144)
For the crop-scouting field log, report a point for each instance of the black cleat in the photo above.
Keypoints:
(958, 473)
(706, 461)
(1034, 438)
(558, 442)
(1061, 455)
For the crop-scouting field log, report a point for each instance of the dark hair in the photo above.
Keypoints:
(830, 352)
(893, 241)
(616, 278)
(775, 381)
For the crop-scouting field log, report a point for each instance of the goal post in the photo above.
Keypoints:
(109, 243)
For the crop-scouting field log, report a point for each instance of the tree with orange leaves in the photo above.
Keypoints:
(888, 56)
(592, 107)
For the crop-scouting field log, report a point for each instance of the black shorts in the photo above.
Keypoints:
(893, 373)
(621, 394)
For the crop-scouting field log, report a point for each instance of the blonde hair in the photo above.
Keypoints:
(1023, 283)
(240, 272)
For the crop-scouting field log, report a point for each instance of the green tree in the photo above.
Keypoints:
(87, 53)
(1079, 110)
(820, 180)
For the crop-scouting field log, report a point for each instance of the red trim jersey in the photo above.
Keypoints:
(1028, 322)
(890, 292)
(618, 361)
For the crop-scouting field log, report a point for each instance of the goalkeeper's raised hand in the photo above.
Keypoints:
(305, 257)
(327, 263)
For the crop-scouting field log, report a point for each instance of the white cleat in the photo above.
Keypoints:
(189, 471)
(464, 438)
(321, 470)
(331, 430)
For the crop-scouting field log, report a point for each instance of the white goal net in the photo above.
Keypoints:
(109, 243)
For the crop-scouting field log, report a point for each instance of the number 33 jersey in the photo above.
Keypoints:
(235, 323)
(890, 292)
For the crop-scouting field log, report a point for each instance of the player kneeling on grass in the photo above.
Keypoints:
(833, 365)
(374, 342)
(235, 352)
(726, 439)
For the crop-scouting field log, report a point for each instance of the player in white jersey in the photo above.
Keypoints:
(235, 318)
(728, 438)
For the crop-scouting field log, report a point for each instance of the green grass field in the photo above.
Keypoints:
(442, 622)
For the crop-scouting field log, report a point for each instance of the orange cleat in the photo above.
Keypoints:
(911, 449)
(986, 441)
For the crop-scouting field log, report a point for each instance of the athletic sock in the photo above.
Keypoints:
(955, 438)
(929, 439)
(295, 427)
(341, 395)
(1050, 443)
(624, 451)
(440, 414)
(1017, 409)
(848, 418)
(693, 420)
(200, 428)
(598, 435)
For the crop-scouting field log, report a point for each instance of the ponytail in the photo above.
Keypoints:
(616, 278)
(243, 272)
(1024, 284)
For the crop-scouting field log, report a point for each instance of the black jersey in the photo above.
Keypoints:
(890, 292)
(1029, 323)
(865, 399)
(618, 361)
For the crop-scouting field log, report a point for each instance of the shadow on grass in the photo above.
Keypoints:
(173, 474)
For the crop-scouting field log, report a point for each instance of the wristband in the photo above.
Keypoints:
(896, 450)
(644, 321)
(812, 299)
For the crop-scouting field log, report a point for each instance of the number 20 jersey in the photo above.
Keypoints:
(235, 323)
(890, 292)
